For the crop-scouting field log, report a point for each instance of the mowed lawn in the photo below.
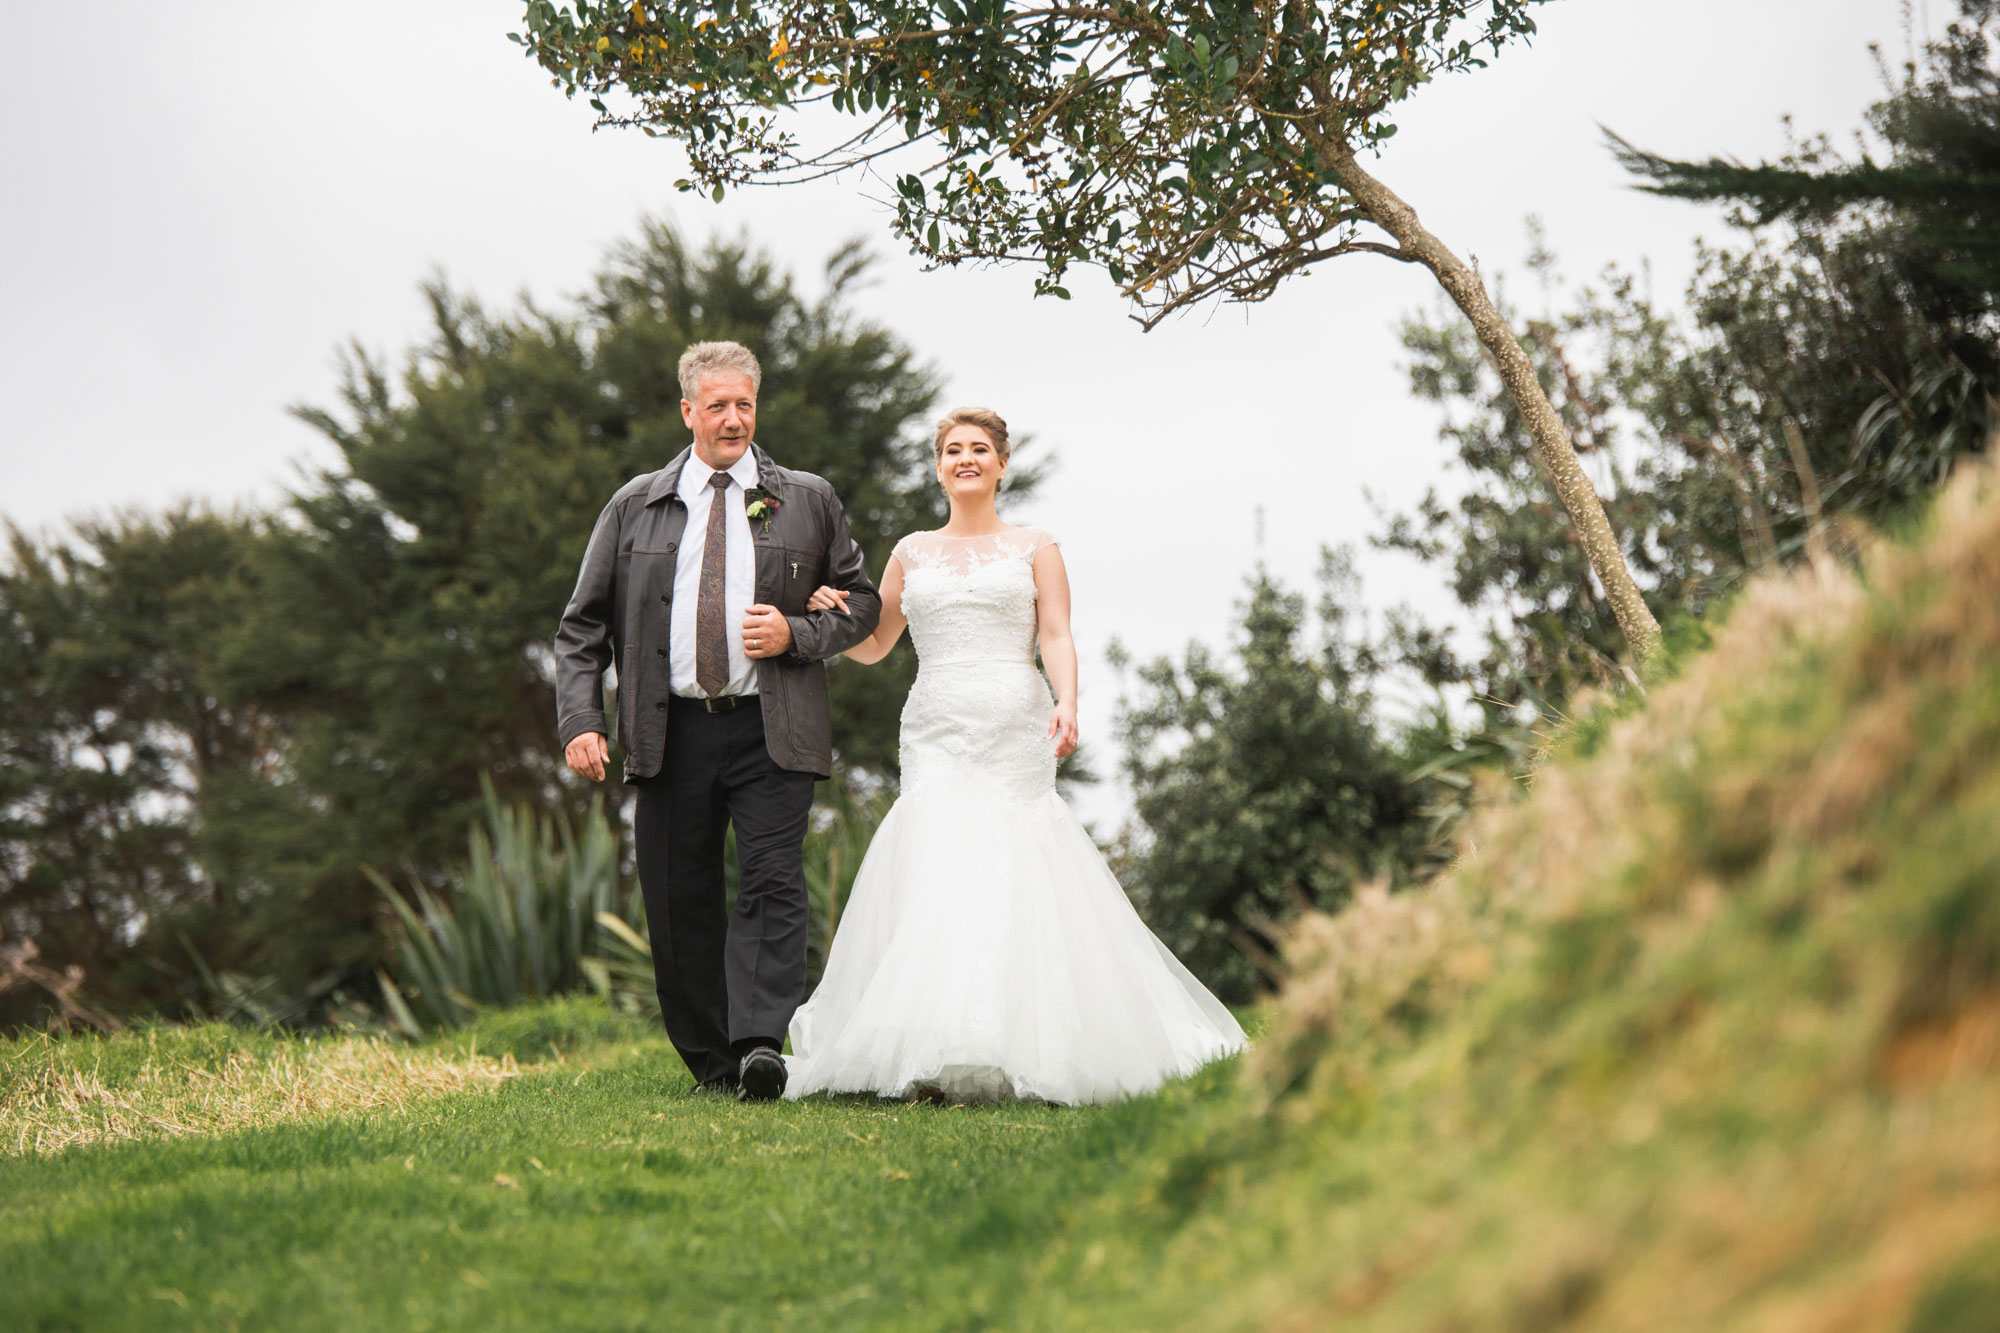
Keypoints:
(592, 1189)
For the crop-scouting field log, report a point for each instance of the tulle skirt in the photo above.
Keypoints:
(986, 953)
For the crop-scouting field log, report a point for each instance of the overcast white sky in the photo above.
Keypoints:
(200, 202)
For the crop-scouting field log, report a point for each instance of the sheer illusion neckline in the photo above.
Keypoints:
(961, 555)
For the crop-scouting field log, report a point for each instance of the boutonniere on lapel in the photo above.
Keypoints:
(759, 503)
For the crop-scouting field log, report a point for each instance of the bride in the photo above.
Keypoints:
(986, 950)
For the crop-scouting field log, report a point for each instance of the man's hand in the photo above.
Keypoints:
(587, 753)
(766, 633)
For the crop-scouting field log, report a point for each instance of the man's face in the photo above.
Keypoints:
(723, 417)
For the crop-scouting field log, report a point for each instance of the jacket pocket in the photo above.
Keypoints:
(812, 723)
(804, 571)
(773, 580)
(622, 694)
(653, 568)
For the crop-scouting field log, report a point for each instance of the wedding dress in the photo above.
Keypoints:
(986, 950)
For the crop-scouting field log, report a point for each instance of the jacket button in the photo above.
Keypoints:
(661, 705)
(659, 652)
(663, 597)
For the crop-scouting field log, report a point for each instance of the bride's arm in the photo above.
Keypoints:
(1058, 649)
(888, 628)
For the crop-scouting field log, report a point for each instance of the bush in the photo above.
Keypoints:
(541, 909)
(535, 900)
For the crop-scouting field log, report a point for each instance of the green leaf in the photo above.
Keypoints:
(1014, 67)
(716, 193)
(932, 236)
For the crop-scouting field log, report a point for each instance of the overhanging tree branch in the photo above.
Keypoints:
(1189, 148)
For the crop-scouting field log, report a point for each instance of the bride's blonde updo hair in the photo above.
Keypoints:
(983, 417)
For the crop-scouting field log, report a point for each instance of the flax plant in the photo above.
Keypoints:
(515, 925)
(543, 909)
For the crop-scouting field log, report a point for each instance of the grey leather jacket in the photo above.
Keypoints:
(623, 605)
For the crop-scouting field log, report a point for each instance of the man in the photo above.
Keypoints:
(695, 583)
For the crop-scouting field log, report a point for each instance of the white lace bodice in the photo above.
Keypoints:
(979, 709)
(971, 598)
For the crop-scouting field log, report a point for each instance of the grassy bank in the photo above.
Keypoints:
(1701, 1035)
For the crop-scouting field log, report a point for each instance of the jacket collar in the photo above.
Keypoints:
(668, 479)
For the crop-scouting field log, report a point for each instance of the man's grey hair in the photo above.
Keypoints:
(704, 359)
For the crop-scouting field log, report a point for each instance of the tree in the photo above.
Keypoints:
(1191, 150)
(1726, 440)
(1832, 364)
(114, 727)
(1940, 126)
(411, 591)
(213, 727)
(1934, 205)
(1264, 788)
(1511, 557)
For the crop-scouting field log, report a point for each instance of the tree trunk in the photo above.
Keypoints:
(1552, 443)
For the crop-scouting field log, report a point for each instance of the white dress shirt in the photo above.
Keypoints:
(739, 578)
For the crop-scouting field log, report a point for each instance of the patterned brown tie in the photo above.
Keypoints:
(711, 635)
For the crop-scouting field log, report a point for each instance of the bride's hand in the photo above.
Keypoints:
(827, 599)
(1062, 725)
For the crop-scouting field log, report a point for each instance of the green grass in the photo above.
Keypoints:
(595, 1190)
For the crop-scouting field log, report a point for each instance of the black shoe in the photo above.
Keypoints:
(761, 1078)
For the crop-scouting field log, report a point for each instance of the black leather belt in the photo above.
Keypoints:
(723, 704)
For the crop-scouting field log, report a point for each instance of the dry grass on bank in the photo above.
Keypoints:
(1703, 1033)
(59, 1093)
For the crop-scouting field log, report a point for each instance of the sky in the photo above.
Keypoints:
(204, 204)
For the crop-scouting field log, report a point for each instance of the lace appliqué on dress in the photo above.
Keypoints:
(979, 709)
(963, 555)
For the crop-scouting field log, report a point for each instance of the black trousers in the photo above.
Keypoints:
(725, 979)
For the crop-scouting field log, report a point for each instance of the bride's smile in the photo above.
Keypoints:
(968, 464)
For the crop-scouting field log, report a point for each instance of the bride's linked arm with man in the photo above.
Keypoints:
(1052, 633)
